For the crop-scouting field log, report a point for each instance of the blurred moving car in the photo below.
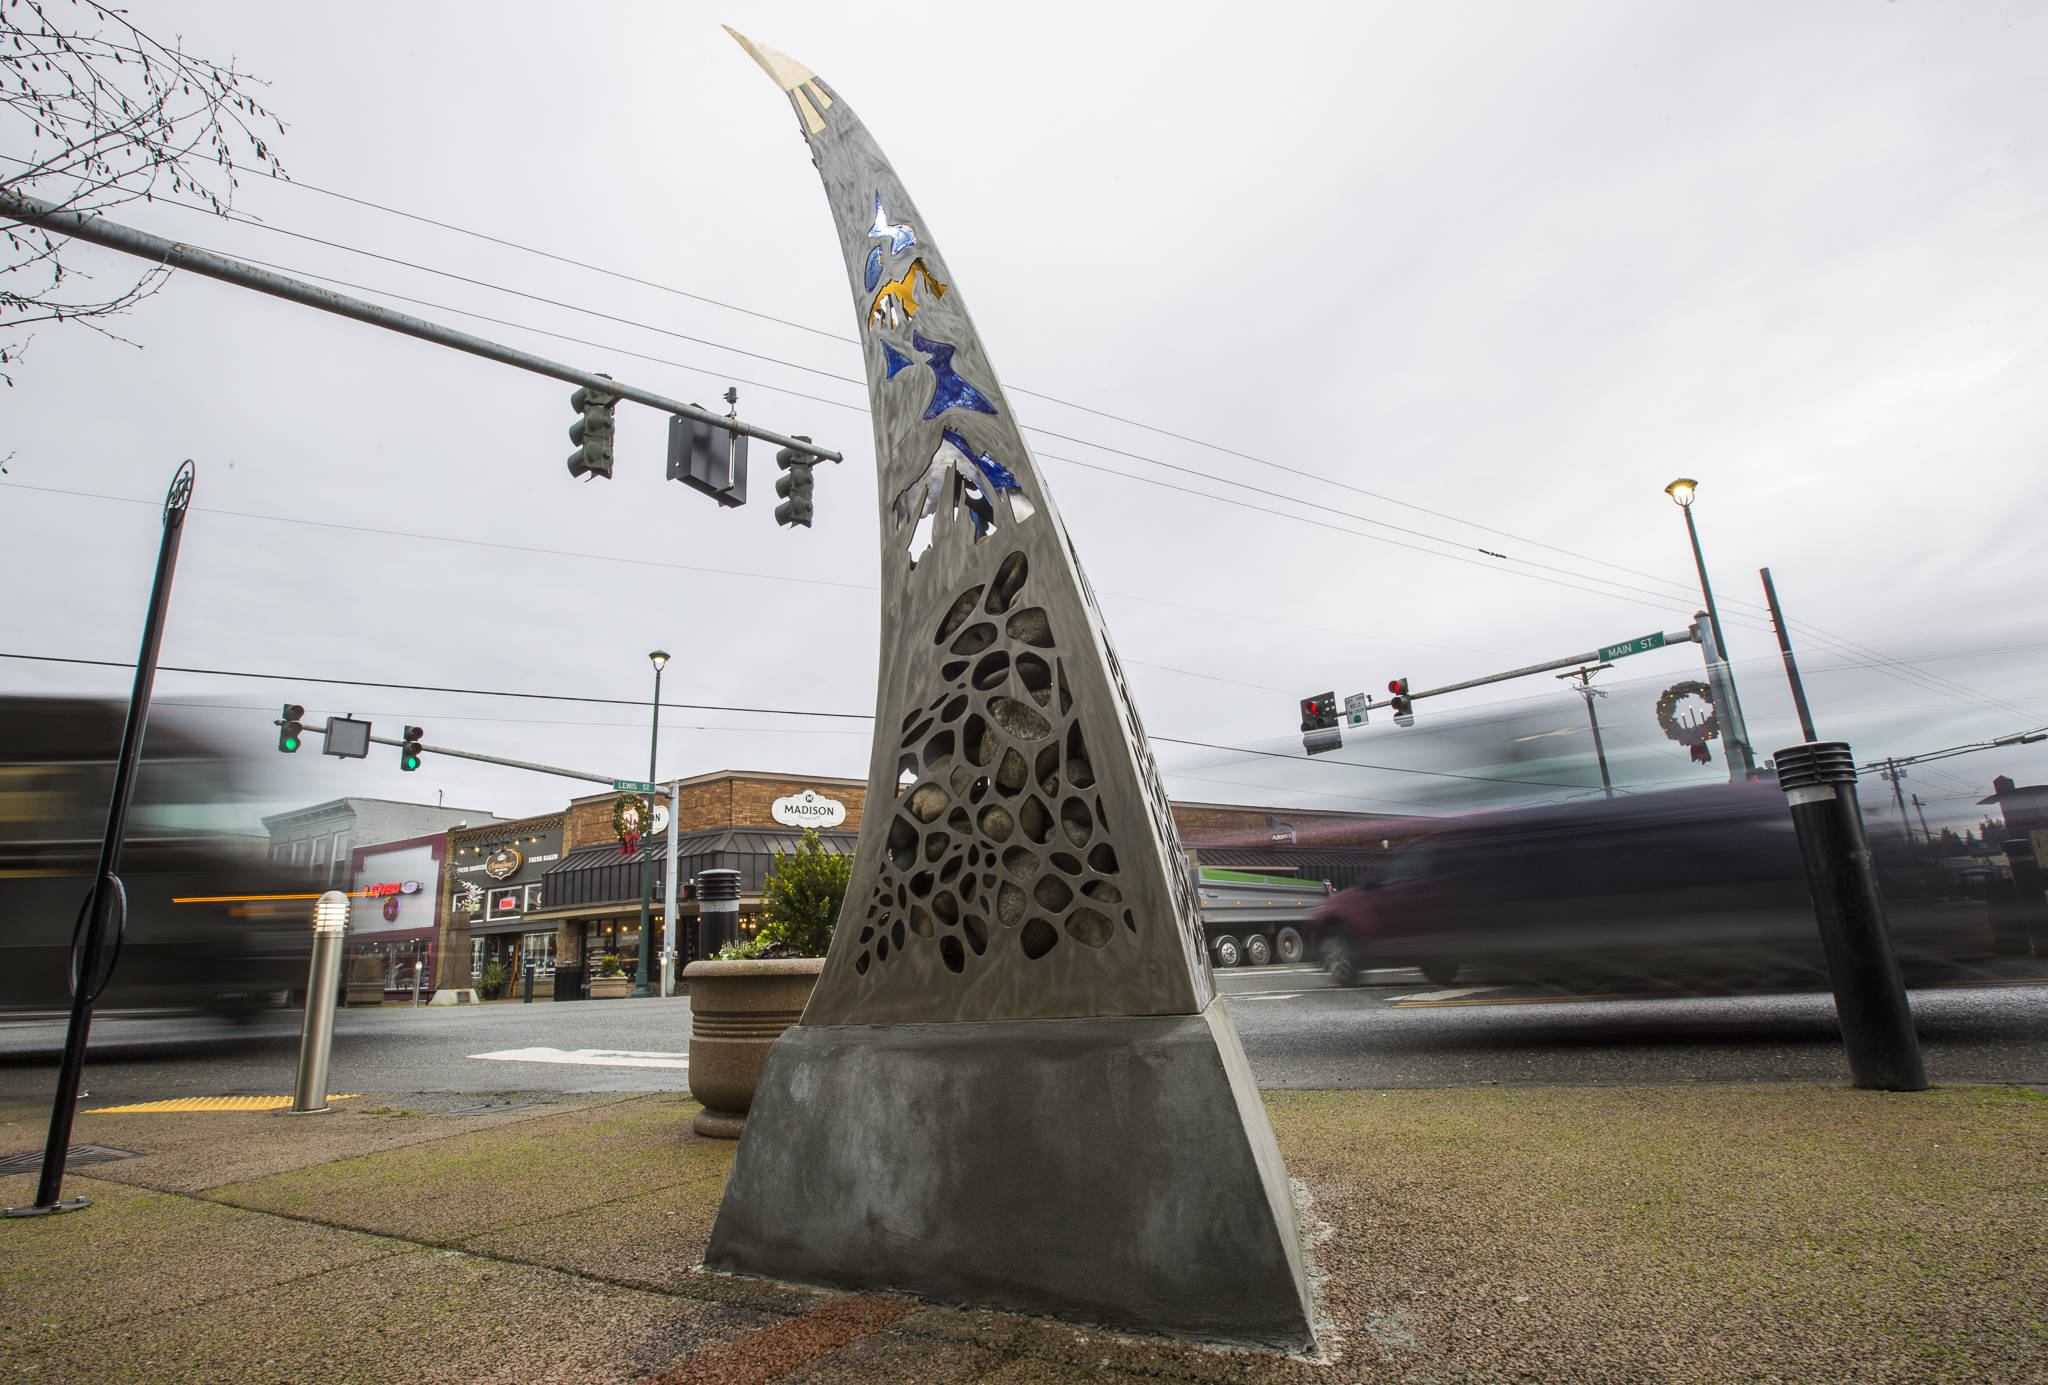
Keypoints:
(1702, 884)
(212, 926)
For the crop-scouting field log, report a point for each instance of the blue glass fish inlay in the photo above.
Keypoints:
(893, 358)
(949, 391)
(874, 269)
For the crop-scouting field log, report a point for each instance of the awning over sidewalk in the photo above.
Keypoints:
(599, 877)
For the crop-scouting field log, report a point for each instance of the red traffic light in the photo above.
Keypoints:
(1398, 687)
(1319, 712)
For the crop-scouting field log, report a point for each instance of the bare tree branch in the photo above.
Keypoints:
(105, 114)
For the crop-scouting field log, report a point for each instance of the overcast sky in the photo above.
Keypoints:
(1490, 275)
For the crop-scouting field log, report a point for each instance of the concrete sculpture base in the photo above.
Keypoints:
(1117, 1171)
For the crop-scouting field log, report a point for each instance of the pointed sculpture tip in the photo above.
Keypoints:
(789, 74)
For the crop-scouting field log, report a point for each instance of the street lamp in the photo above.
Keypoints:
(1735, 731)
(659, 658)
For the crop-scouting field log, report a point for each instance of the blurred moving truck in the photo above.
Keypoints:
(211, 926)
(1702, 884)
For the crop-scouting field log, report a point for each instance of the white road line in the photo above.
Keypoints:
(1272, 995)
(589, 1057)
(1249, 972)
(1443, 995)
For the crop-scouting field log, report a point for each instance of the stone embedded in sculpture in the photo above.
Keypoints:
(1017, 996)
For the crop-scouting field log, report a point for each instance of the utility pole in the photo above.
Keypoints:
(1589, 692)
(1791, 665)
(1921, 809)
(1895, 774)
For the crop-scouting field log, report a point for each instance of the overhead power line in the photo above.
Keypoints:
(1895, 668)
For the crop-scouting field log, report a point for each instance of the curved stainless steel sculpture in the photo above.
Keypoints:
(1018, 989)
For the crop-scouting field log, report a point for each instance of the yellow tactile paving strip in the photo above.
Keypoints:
(207, 1103)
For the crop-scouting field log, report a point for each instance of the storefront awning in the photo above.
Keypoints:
(599, 879)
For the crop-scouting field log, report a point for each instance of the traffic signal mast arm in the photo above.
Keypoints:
(604, 779)
(178, 255)
(1593, 656)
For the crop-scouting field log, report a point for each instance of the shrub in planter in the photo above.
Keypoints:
(494, 980)
(365, 980)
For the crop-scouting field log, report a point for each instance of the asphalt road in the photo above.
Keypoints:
(1298, 1028)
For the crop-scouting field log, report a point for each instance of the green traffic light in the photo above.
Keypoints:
(291, 742)
(412, 762)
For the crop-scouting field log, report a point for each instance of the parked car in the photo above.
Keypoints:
(1695, 884)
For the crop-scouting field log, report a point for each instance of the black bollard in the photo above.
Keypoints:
(529, 985)
(1819, 780)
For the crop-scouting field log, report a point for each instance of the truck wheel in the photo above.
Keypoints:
(1442, 970)
(1337, 962)
(1228, 953)
(1257, 950)
(1287, 945)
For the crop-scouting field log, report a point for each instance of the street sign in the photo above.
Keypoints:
(347, 738)
(1354, 708)
(632, 786)
(1635, 646)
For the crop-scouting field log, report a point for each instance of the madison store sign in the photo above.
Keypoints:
(808, 809)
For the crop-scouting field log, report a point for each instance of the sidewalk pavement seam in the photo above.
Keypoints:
(461, 1247)
(404, 1248)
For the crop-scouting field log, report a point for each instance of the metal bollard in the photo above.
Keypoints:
(529, 985)
(1819, 780)
(330, 926)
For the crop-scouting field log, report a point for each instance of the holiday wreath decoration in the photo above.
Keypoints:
(630, 813)
(1695, 736)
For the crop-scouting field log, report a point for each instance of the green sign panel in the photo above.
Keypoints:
(1634, 646)
(632, 786)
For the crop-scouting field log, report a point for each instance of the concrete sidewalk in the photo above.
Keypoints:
(1675, 1233)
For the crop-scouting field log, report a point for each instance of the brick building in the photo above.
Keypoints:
(494, 897)
(730, 820)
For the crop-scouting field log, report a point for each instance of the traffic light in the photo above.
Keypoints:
(1404, 705)
(592, 432)
(1319, 713)
(290, 727)
(794, 486)
(409, 753)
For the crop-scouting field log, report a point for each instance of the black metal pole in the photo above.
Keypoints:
(1791, 664)
(1738, 745)
(107, 895)
(1819, 780)
(640, 987)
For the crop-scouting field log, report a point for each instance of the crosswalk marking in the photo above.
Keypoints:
(589, 1057)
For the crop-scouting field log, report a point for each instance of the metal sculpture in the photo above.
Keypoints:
(1019, 899)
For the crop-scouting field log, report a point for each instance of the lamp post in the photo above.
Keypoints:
(1741, 760)
(658, 658)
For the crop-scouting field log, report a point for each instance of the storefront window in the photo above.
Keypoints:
(540, 951)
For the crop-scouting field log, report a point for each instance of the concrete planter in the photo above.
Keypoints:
(364, 993)
(610, 987)
(737, 1012)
